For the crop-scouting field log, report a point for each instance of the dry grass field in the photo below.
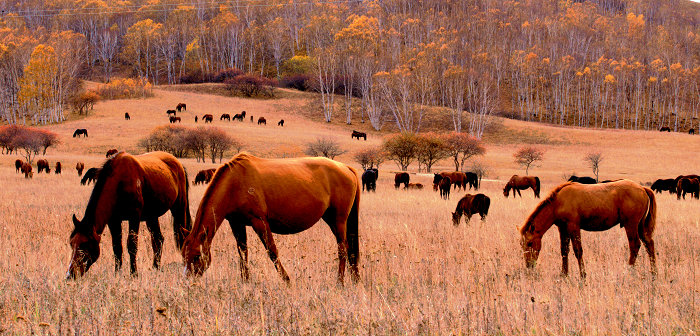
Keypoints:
(419, 274)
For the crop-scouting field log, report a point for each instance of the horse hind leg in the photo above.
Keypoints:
(262, 228)
(239, 232)
(338, 224)
(633, 239)
(156, 240)
(578, 252)
(132, 243)
(648, 242)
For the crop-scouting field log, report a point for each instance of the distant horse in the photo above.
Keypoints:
(181, 106)
(458, 179)
(204, 176)
(225, 116)
(469, 205)
(472, 180)
(582, 179)
(42, 165)
(689, 186)
(664, 184)
(444, 186)
(665, 129)
(417, 186)
(518, 183)
(369, 179)
(18, 165)
(27, 170)
(402, 177)
(127, 116)
(281, 123)
(592, 207)
(239, 116)
(358, 135)
(195, 119)
(251, 118)
(262, 120)
(57, 168)
(111, 152)
(175, 119)
(134, 188)
(90, 176)
(80, 131)
(169, 112)
(79, 167)
(251, 191)
(691, 131)
(208, 118)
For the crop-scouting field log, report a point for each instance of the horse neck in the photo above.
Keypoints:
(100, 207)
(212, 212)
(543, 220)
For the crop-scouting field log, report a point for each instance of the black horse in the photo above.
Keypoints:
(90, 176)
(127, 116)
(181, 106)
(582, 179)
(661, 185)
(358, 135)
(473, 180)
(80, 131)
(369, 179)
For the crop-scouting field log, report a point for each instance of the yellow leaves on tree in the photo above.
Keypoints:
(37, 90)
(635, 25)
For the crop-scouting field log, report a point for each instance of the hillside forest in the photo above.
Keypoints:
(632, 64)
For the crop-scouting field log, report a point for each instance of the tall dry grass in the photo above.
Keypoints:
(419, 274)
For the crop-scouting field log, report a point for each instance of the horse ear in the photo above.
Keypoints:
(76, 222)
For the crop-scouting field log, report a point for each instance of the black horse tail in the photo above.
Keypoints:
(537, 185)
(352, 231)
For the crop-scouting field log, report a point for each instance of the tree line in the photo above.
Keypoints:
(601, 63)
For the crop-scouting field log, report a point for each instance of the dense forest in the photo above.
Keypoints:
(602, 63)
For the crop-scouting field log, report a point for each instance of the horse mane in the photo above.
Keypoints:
(102, 177)
(545, 202)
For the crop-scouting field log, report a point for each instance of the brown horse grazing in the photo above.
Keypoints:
(225, 116)
(127, 116)
(280, 123)
(469, 205)
(458, 179)
(207, 118)
(134, 188)
(181, 106)
(42, 165)
(27, 170)
(573, 207)
(204, 176)
(444, 186)
(518, 183)
(79, 167)
(111, 152)
(402, 177)
(417, 186)
(262, 120)
(18, 165)
(175, 119)
(688, 185)
(283, 196)
(90, 176)
(169, 112)
(57, 168)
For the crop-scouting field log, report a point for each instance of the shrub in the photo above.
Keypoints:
(431, 149)
(85, 101)
(526, 156)
(226, 74)
(461, 146)
(298, 82)
(402, 148)
(125, 88)
(251, 86)
(370, 157)
(324, 147)
(29, 140)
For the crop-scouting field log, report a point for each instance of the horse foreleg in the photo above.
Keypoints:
(578, 251)
(115, 229)
(564, 239)
(519, 194)
(132, 242)
(262, 228)
(156, 240)
(242, 241)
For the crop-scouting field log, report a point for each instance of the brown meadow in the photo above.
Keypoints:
(419, 273)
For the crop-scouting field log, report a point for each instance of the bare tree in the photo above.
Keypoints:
(370, 157)
(219, 142)
(326, 147)
(594, 160)
(526, 156)
(402, 148)
(461, 147)
(29, 142)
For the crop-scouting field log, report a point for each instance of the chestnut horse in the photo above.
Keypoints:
(79, 167)
(573, 207)
(283, 196)
(204, 176)
(469, 205)
(444, 186)
(518, 183)
(458, 179)
(18, 165)
(688, 185)
(134, 188)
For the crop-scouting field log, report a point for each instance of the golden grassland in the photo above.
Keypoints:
(419, 274)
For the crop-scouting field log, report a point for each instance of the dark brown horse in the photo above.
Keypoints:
(42, 165)
(369, 179)
(181, 106)
(280, 123)
(283, 196)
(358, 135)
(688, 185)
(444, 186)
(134, 188)
(208, 118)
(175, 119)
(57, 168)
(90, 176)
(204, 176)
(79, 167)
(171, 113)
(664, 184)
(225, 116)
(111, 152)
(18, 165)
(469, 205)
(127, 116)
(518, 183)
(80, 131)
(458, 179)
(262, 121)
(665, 129)
(27, 170)
(573, 207)
(402, 177)
(239, 116)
